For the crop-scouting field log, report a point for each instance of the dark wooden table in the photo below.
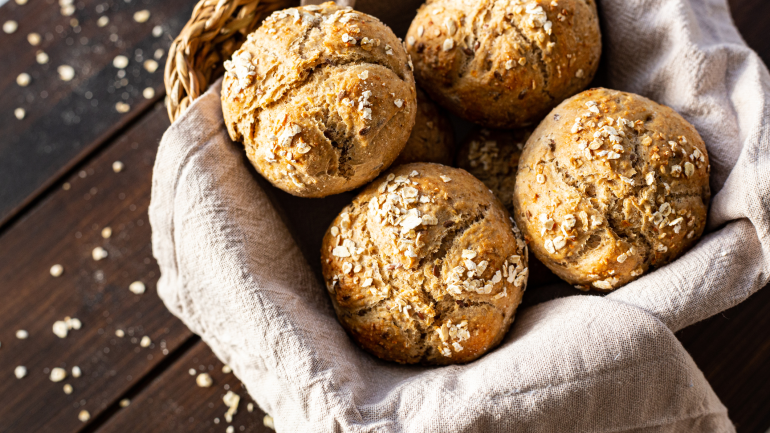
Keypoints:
(59, 191)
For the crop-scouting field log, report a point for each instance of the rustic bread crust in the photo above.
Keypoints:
(504, 63)
(492, 155)
(432, 138)
(609, 185)
(322, 97)
(397, 264)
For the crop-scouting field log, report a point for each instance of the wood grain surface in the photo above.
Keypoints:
(173, 402)
(67, 120)
(64, 229)
(66, 137)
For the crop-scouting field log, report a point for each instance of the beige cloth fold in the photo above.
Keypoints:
(232, 271)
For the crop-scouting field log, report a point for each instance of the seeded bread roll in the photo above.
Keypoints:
(504, 63)
(322, 97)
(425, 266)
(609, 185)
(493, 157)
(432, 138)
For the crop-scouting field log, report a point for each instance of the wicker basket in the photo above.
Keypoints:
(215, 30)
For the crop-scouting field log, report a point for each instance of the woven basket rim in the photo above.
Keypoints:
(215, 30)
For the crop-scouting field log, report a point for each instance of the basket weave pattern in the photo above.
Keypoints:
(215, 30)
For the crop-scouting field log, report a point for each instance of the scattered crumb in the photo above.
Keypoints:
(120, 61)
(148, 93)
(23, 79)
(150, 65)
(41, 57)
(157, 31)
(67, 388)
(10, 26)
(22, 334)
(76, 372)
(84, 416)
(145, 342)
(192, 372)
(21, 2)
(106, 232)
(250, 407)
(99, 253)
(142, 16)
(19, 113)
(117, 166)
(66, 72)
(226, 369)
(60, 329)
(230, 429)
(137, 287)
(125, 402)
(158, 53)
(20, 371)
(268, 422)
(122, 107)
(204, 380)
(103, 21)
(66, 186)
(33, 39)
(58, 374)
(231, 400)
(120, 333)
(73, 323)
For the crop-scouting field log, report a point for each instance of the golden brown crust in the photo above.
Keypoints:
(432, 138)
(322, 97)
(492, 155)
(609, 185)
(397, 264)
(504, 63)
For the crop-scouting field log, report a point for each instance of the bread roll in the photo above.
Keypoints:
(322, 97)
(610, 185)
(504, 63)
(432, 138)
(425, 266)
(492, 155)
